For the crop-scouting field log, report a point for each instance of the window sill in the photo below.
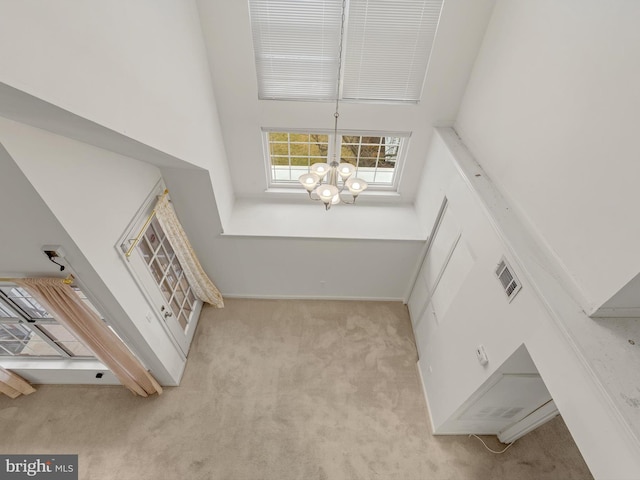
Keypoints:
(60, 371)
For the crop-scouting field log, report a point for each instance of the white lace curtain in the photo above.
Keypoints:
(66, 306)
(201, 284)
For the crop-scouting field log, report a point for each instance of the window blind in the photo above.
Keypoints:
(296, 47)
(388, 47)
(385, 55)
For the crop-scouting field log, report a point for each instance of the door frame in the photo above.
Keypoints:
(123, 244)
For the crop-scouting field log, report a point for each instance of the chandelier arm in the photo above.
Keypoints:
(317, 199)
(342, 200)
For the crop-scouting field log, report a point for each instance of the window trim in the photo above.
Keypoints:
(373, 187)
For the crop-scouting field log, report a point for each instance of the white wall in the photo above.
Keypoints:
(543, 320)
(280, 267)
(138, 68)
(227, 30)
(27, 224)
(94, 194)
(551, 113)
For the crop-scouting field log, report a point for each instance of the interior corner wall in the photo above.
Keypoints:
(94, 194)
(138, 68)
(284, 267)
(480, 314)
(550, 113)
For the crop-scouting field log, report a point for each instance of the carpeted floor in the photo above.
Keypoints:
(278, 390)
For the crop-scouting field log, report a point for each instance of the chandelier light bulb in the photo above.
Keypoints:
(309, 181)
(320, 169)
(356, 186)
(327, 193)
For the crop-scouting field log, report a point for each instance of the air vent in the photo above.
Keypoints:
(510, 283)
(494, 413)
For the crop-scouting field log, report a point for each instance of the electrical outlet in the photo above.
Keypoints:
(53, 251)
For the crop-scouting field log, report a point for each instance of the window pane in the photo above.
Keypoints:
(13, 338)
(65, 338)
(291, 154)
(5, 312)
(19, 340)
(374, 156)
(23, 300)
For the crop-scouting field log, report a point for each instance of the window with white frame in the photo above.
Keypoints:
(28, 330)
(376, 156)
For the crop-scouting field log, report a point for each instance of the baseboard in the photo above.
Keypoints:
(310, 297)
(426, 398)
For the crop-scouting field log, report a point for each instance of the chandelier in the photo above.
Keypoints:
(327, 181)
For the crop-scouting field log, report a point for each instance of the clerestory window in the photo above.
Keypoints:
(386, 48)
(377, 157)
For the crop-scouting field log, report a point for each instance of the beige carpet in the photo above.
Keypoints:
(279, 390)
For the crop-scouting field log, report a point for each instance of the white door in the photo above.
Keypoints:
(161, 275)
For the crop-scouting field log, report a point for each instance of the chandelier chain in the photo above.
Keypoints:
(337, 114)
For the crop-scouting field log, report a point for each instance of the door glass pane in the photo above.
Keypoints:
(169, 276)
(152, 236)
(183, 320)
(192, 298)
(167, 246)
(146, 251)
(179, 295)
(166, 290)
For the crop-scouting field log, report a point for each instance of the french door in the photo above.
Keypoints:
(167, 287)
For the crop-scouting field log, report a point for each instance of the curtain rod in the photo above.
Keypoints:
(144, 227)
(68, 281)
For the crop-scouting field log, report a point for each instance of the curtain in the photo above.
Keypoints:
(14, 385)
(201, 284)
(66, 306)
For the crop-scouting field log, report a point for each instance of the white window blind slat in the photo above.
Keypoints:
(296, 47)
(385, 57)
(388, 48)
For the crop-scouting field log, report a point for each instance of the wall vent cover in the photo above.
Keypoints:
(510, 283)
(494, 413)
